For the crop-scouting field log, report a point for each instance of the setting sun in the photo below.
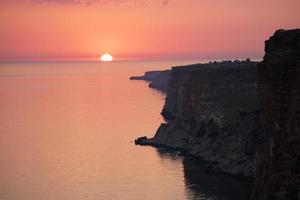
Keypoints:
(106, 57)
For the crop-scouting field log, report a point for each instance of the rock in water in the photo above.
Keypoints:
(278, 176)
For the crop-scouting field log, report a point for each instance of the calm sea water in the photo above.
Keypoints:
(66, 132)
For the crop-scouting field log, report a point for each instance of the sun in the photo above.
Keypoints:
(106, 57)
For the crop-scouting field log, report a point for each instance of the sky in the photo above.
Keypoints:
(38, 30)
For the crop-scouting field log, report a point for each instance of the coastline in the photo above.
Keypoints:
(191, 91)
(242, 119)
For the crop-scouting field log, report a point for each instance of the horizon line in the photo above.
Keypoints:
(40, 59)
(134, 60)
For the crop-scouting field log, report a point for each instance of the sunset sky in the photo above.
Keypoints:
(140, 29)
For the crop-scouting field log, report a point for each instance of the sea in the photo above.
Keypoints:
(67, 132)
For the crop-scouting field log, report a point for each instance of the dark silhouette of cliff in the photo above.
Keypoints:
(213, 112)
(242, 117)
(278, 176)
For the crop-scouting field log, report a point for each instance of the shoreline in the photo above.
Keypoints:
(207, 166)
(240, 117)
(190, 89)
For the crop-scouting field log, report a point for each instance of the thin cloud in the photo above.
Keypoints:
(114, 2)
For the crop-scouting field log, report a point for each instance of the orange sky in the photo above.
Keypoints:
(66, 29)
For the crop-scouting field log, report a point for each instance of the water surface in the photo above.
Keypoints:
(66, 132)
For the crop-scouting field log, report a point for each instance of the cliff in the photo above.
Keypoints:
(278, 176)
(213, 112)
(242, 117)
(157, 79)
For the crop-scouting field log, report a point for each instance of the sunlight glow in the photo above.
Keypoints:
(106, 57)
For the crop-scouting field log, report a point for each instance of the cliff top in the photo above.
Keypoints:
(213, 65)
(283, 40)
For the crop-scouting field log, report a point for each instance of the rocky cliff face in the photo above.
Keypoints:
(212, 111)
(278, 176)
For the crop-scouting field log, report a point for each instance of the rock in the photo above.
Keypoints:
(278, 176)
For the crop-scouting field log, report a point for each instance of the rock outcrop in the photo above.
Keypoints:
(278, 176)
(212, 111)
(157, 79)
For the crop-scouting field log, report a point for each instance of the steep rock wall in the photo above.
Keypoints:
(278, 176)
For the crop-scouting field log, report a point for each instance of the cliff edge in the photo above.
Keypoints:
(278, 176)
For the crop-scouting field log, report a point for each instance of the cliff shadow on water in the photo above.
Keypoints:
(202, 183)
